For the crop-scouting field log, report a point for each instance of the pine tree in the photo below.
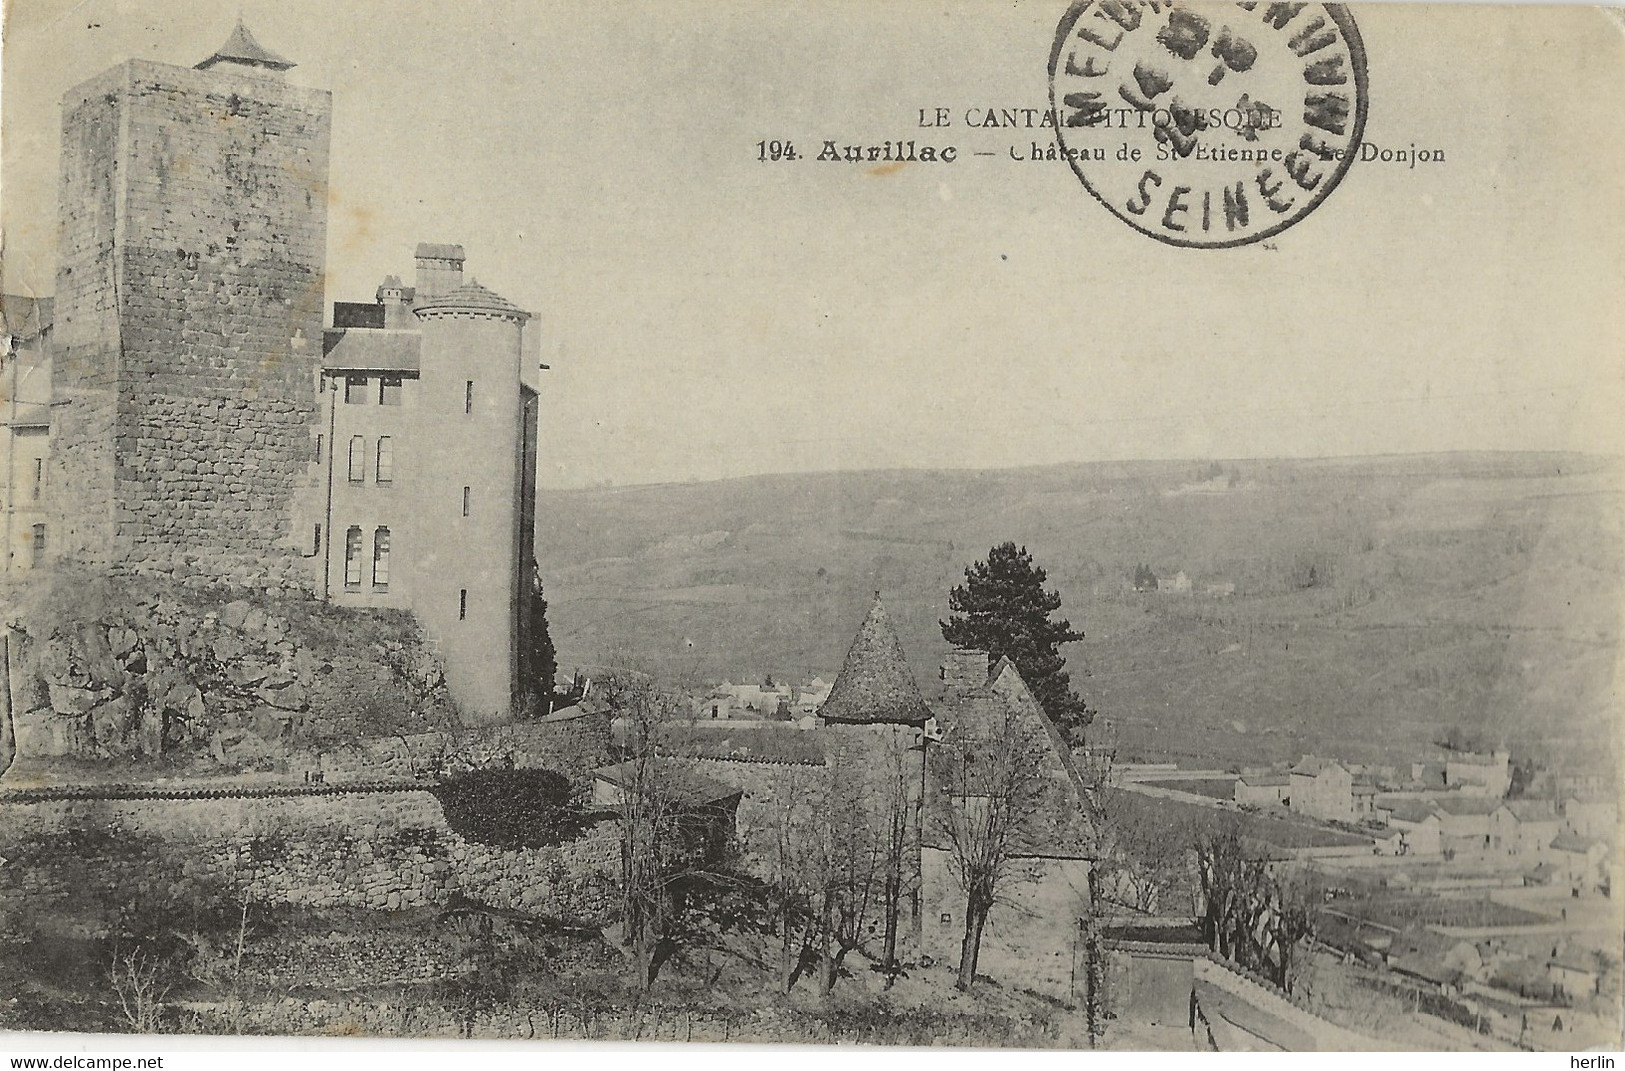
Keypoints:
(1003, 608)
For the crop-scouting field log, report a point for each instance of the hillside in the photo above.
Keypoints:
(1375, 600)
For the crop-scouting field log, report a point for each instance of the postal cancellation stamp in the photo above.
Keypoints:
(1209, 126)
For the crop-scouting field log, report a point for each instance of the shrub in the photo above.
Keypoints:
(512, 808)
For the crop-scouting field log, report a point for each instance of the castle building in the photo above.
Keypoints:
(193, 233)
(429, 466)
(191, 417)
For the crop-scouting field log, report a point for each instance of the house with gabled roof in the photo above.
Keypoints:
(1591, 814)
(1465, 823)
(1263, 788)
(1524, 828)
(1477, 774)
(1031, 935)
(1322, 788)
(1580, 862)
(1420, 824)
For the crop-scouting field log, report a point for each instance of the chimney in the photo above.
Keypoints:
(440, 269)
(964, 673)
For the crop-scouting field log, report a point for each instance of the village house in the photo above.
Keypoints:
(1479, 775)
(1263, 788)
(1465, 824)
(1524, 828)
(1575, 974)
(1591, 815)
(1580, 863)
(1441, 963)
(1322, 788)
(1419, 823)
(1032, 936)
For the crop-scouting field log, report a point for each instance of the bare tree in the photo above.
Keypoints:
(897, 819)
(988, 813)
(137, 981)
(1248, 914)
(793, 882)
(848, 856)
(654, 854)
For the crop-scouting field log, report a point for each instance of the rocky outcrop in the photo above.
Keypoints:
(141, 669)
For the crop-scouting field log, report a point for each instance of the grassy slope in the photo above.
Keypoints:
(1475, 590)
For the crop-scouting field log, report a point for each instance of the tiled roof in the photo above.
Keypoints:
(1568, 842)
(241, 47)
(672, 780)
(1532, 810)
(1265, 780)
(1411, 811)
(1467, 805)
(439, 251)
(371, 350)
(471, 297)
(875, 685)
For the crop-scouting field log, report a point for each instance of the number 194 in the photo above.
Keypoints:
(773, 151)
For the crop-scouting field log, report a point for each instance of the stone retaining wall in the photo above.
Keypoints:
(85, 859)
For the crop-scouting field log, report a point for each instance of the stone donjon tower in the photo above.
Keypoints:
(189, 295)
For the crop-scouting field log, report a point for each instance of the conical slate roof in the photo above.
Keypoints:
(875, 685)
(241, 47)
(472, 297)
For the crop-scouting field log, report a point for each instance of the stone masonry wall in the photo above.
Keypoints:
(85, 336)
(382, 849)
(216, 238)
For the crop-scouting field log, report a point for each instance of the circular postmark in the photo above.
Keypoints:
(1208, 126)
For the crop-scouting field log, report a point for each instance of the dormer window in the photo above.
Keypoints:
(355, 390)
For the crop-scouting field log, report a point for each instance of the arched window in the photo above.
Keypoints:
(384, 469)
(380, 558)
(352, 557)
(358, 458)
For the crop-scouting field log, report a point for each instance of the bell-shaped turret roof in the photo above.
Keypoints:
(241, 48)
(875, 685)
(471, 297)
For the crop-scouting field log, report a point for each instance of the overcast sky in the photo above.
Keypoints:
(707, 315)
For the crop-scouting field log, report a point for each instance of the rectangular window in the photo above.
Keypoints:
(380, 558)
(355, 390)
(462, 604)
(39, 544)
(466, 501)
(384, 469)
(316, 541)
(321, 441)
(39, 478)
(468, 396)
(389, 390)
(352, 557)
(358, 458)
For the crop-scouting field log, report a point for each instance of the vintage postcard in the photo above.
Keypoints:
(1067, 524)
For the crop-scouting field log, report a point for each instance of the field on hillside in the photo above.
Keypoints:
(1353, 606)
